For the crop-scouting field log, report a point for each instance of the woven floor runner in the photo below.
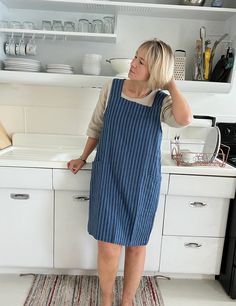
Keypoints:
(71, 290)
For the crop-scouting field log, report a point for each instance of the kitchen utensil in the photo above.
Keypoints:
(179, 65)
(207, 62)
(223, 67)
(192, 2)
(198, 67)
(216, 43)
(120, 65)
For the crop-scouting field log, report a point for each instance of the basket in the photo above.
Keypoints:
(179, 65)
(198, 158)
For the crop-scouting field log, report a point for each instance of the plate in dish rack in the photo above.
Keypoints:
(212, 144)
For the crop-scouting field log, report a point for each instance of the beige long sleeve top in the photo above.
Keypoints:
(96, 122)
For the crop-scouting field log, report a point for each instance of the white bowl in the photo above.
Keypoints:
(120, 65)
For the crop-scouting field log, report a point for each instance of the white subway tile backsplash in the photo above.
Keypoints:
(48, 120)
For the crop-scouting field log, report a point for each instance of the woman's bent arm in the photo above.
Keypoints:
(76, 164)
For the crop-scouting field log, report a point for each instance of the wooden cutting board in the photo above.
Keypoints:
(4, 138)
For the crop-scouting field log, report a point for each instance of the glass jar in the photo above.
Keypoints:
(97, 26)
(108, 24)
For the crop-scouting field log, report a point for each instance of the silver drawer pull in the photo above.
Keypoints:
(19, 196)
(192, 245)
(80, 198)
(197, 204)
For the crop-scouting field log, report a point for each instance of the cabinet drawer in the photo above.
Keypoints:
(196, 216)
(191, 255)
(13, 177)
(209, 186)
(66, 180)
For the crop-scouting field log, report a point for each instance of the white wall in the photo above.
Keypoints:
(40, 109)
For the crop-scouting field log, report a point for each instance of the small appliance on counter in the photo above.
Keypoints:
(227, 276)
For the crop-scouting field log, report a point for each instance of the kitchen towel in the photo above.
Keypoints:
(84, 290)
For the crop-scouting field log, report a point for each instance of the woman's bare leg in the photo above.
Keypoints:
(108, 261)
(134, 265)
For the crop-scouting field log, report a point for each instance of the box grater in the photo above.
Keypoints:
(179, 67)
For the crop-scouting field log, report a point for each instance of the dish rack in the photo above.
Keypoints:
(184, 157)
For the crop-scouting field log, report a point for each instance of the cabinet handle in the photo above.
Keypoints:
(19, 196)
(80, 198)
(197, 204)
(192, 245)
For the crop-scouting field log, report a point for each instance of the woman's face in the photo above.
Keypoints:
(138, 68)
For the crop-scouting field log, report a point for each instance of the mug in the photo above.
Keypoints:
(10, 47)
(20, 47)
(30, 48)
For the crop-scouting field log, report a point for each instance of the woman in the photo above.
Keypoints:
(126, 173)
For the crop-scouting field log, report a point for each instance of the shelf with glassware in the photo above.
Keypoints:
(42, 34)
(145, 8)
(82, 80)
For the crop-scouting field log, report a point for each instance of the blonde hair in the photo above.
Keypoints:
(160, 62)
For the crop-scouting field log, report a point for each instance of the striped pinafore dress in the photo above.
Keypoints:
(126, 176)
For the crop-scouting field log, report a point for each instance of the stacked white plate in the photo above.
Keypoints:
(22, 64)
(59, 68)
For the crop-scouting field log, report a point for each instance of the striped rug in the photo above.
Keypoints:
(70, 290)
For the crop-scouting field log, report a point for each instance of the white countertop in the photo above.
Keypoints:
(33, 151)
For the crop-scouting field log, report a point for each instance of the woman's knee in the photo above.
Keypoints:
(109, 251)
(135, 250)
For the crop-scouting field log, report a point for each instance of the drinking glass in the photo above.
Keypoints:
(69, 26)
(28, 25)
(83, 25)
(108, 24)
(15, 25)
(97, 26)
(57, 25)
(46, 25)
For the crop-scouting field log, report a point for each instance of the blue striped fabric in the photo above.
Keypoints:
(126, 176)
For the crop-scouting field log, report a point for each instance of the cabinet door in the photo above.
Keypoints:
(153, 251)
(191, 255)
(195, 216)
(74, 247)
(26, 227)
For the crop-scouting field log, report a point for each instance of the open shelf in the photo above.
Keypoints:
(126, 8)
(98, 37)
(81, 80)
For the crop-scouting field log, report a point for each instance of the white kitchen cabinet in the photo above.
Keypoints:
(155, 9)
(199, 255)
(26, 217)
(153, 251)
(200, 216)
(74, 247)
(194, 223)
(26, 227)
